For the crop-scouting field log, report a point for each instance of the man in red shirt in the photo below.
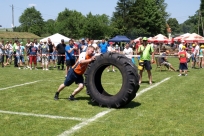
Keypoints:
(182, 55)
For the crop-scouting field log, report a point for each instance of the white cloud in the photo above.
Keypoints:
(32, 5)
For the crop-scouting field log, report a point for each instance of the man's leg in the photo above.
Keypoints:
(171, 67)
(61, 87)
(58, 62)
(149, 76)
(78, 89)
(140, 81)
(63, 59)
(68, 81)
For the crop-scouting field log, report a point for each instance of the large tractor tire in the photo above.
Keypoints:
(130, 80)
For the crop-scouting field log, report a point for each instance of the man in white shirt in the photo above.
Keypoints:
(128, 51)
(180, 46)
(196, 54)
(111, 48)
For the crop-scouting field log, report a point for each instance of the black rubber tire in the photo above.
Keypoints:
(130, 80)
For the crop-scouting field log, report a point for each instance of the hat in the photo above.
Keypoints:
(193, 44)
(82, 39)
(44, 40)
(184, 47)
(144, 39)
(7, 41)
(21, 42)
(202, 46)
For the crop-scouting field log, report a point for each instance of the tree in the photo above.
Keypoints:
(191, 25)
(96, 26)
(120, 20)
(201, 14)
(140, 17)
(31, 21)
(70, 23)
(148, 18)
(50, 26)
(174, 25)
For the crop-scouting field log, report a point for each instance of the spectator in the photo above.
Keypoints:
(2, 54)
(36, 44)
(201, 56)
(33, 56)
(70, 58)
(196, 55)
(51, 50)
(61, 54)
(132, 45)
(111, 48)
(28, 44)
(18, 52)
(7, 50)
(181, 45)
(128, 51)
(103, 46)
(14, 52)
(22, 50)
(44, 51)
(82, 46)
(163, 60)
(145, 52)
(182, 55)
(10, 52)
(75, 73)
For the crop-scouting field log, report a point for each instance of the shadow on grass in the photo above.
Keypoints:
(147, 82)
(132, 104)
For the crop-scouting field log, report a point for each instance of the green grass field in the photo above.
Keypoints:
(172, 108)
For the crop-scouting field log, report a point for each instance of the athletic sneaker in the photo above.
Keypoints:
(71, 98)
(113, 70)
(186, 74)
(179, 75)
(46, 69)
(43, 68)
(56, 97)
(19, 68)
(108, 70)
(36, 69)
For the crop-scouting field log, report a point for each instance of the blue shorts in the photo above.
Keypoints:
(22, 58)
(73, 77)
(183, 66)
(147, 65)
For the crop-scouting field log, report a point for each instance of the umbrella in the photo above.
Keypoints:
(179, 38)
(159, 39)
(194, 38)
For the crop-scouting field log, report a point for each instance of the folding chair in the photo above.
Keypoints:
(159, 65)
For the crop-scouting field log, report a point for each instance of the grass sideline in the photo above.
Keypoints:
(174, 107)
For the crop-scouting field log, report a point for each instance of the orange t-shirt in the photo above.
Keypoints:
(81, 68)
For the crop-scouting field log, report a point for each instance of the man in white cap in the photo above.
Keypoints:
(180, 46)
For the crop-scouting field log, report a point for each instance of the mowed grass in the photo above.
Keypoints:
(174, 107)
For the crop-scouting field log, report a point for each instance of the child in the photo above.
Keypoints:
(182, 55)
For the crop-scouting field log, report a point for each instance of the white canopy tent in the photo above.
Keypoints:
(56, 38)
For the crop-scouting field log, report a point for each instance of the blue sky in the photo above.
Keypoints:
(179, 9)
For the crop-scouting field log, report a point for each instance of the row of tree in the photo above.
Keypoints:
(132, 18)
